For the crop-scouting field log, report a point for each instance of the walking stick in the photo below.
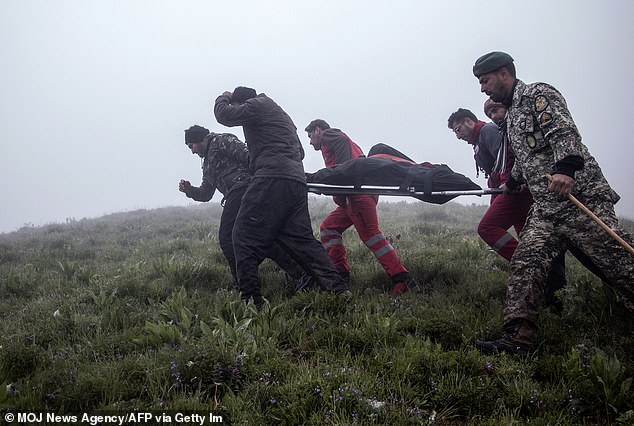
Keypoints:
(602, 224)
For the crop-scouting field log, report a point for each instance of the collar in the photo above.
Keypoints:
(509, 99)
(473, 139)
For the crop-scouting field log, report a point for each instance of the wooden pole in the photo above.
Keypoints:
(602, 224)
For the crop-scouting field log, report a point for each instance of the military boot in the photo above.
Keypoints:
(555, 281)
(518, 340)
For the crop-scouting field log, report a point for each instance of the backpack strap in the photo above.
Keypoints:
(358, 174)
(409, 177)
(428, 181)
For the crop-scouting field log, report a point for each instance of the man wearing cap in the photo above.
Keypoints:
(354, 210)
(495, 111)
(546, 143)
(275, 204)
(225, 167)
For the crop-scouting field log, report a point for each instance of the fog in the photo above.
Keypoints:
(95, 95)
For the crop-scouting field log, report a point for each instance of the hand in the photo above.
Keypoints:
(508, 191)
(505, 189)
(560, 184)
(184, 185)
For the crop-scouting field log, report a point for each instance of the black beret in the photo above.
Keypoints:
(195, 134)
(242, 94)
(491, 62)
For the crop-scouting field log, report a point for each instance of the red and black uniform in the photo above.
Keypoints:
(357, 210)
(494, 157)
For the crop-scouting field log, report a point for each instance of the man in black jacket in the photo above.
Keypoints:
(225, 168)
(275, 204)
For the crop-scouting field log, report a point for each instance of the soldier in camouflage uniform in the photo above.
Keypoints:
(546, 142)
(226, 168)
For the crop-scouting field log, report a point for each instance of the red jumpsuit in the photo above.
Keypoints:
(357, 210)
(494, 157)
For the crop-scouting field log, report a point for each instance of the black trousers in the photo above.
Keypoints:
(227, 221)
(276, 211)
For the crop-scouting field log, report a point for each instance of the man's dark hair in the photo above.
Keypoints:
(459, 116)
(195, 134)
(317, 123)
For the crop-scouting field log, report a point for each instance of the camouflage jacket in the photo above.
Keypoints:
(225, 167)
(542, 133)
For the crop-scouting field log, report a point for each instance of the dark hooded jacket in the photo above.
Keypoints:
(271, 136)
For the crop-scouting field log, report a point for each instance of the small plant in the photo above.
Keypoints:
(178, 272)
(74, 271)
(232, 330)
(600, 384)
(161, 332)
(177, 323)
(175, 311)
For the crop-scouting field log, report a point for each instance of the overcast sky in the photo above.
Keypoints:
(95, 95)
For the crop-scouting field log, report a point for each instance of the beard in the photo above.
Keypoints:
(497, 97)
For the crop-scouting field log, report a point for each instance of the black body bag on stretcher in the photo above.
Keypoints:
(406, 177)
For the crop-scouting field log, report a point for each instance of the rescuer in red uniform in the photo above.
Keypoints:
(358, 210)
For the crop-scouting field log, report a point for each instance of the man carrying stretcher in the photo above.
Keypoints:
(358, 210)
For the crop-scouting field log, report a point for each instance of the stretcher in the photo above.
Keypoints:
(436, 197)
(381, 175)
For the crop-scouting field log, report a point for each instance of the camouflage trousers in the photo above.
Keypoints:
(546, 237)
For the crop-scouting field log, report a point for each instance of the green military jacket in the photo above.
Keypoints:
(542, 132)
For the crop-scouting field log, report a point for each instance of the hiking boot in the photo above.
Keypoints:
(518, 339)
(555, 281)
(403, 286)
(504, 344)
(555, 304)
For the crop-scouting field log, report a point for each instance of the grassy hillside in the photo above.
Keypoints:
(137, 311)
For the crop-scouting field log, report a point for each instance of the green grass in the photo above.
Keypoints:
(137, 311)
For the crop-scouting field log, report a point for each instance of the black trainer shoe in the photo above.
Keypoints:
(303, 283)
(403, 286)
(505, 344)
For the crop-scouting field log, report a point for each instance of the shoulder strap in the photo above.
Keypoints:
(409, 177)
(358, 174)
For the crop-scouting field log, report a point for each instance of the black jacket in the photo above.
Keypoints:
(274, 147)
